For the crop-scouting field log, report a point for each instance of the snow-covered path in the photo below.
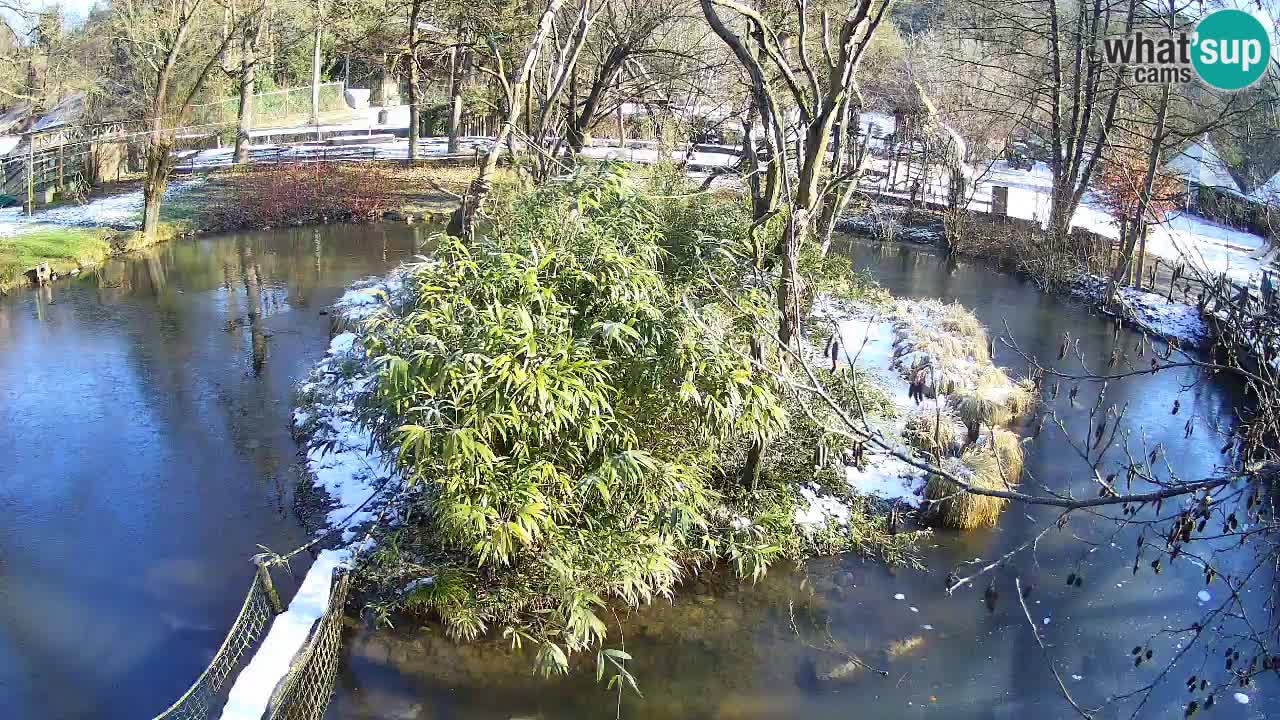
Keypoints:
(122, 211)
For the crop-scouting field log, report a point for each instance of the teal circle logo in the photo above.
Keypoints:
(1232, 49)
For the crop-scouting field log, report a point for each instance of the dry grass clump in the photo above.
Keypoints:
(994, 400)
(1007, 449)
(934, 432)
(939, 347)
(952, 507)
(954, 318)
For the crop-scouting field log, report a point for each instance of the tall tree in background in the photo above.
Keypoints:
(167, 60)
(250, 40)
(514, 90)
(821, 93)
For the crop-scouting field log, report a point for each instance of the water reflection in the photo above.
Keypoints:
(723, 650)
(145, 408)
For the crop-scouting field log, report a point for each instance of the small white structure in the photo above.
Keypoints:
(1268, 193)
(357, 98)
(1202, 166)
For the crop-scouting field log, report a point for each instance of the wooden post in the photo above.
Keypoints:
(61, 168)
(264, 576)
(31, 171)
(1000, 200)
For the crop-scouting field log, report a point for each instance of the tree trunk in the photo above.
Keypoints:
(581, 120)
(248, 85)
(415, 93)
(315, 70)
(457, 59)
(789, 284)
(154, 185)
(462, 223)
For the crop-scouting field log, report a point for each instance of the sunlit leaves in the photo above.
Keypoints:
(565, 407)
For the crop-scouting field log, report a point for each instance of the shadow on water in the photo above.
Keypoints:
(145, 409)
(727, 650)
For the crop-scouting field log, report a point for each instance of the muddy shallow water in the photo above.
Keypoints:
(730, 650)
(145, 414)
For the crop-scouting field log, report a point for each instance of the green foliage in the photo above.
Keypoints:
(65, 249)
(576, 399)
(557, 392)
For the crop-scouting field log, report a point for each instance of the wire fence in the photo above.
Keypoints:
(278, 108)
(305, 691)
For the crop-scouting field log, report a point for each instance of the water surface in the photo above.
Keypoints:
(728, 650)
(145, 413)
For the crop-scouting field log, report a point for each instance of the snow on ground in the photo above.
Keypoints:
(1152, 312)
(342, 454)
(253, 687)
(869, 343)
(123, 211)
(1183, 237)
(347, 462)
(645, 155)
(380, 150)
(1210, 247)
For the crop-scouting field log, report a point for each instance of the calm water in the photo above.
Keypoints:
(147, 454)
(722, 650)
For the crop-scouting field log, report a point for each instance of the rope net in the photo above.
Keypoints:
(305, 692)
(251, 624)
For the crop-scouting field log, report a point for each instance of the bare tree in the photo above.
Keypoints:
(168, 61)
(250, 40)
(514, 88)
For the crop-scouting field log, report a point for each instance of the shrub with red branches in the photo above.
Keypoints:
(298, 194)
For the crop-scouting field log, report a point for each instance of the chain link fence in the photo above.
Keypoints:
(279, 108)
(246, 632)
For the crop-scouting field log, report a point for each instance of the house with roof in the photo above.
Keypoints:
(1202, 166)
(1268, 193)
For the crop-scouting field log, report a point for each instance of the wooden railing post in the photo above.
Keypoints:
(264, 576)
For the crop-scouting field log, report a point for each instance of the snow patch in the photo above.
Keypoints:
(118, 211)
(253, 687)
(1152, 312)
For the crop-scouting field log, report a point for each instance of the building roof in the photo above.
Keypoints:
(1201, 165)
(1268, 193)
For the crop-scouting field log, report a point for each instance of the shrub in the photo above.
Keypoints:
(935, 433)
(954, 508)
(567, 409)
(299, 194)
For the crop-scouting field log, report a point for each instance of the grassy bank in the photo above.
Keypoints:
(248, 199)
(65, 249)
(71, 249)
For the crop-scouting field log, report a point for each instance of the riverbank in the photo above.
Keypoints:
(72, 238)
(1156, 314)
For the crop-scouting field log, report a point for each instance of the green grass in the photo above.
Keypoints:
(64, 249)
